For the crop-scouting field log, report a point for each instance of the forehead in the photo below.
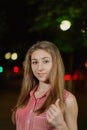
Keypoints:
(40, 53)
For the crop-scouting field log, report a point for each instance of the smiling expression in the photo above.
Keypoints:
(41, 64)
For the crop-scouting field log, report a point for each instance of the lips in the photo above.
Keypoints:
(41, 74)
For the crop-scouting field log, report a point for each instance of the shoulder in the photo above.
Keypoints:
(71, 111)
(71, 104)
(70, 99)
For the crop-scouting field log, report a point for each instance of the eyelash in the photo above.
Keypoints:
(46, 61)
(35, 62)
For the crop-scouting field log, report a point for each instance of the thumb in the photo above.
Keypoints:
(57, 102)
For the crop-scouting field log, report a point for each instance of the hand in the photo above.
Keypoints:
(54, 115)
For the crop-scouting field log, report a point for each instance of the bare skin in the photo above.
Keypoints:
(67, 122)
(41, 63)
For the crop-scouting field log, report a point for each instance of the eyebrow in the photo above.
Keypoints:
(42, 58)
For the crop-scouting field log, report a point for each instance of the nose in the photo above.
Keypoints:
(40, 66)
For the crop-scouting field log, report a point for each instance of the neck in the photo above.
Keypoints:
(43, 86)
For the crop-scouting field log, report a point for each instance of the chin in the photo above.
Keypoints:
(44, 81)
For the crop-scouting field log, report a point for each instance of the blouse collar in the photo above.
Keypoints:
(34, 89)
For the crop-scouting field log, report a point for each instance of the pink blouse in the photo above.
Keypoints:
(26, 119)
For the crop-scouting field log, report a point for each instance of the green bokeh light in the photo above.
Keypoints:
(1, 69)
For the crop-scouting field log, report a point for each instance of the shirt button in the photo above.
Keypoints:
(31, 111)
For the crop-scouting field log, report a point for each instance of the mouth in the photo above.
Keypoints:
(41, 74)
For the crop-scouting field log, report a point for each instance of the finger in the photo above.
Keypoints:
(52, 110)
(49, 115)
(48, 119)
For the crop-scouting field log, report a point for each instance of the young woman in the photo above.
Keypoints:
(44, 103)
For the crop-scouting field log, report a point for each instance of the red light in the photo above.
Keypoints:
(75, 77)
(67, 77)
(16, 69)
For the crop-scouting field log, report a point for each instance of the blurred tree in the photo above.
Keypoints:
(45, 17)
(23, 22)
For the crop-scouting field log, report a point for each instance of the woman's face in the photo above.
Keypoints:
(41, 64)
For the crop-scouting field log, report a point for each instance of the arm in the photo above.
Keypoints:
(71, 112)
(67, 122)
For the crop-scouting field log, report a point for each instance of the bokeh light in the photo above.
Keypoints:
(65, 25)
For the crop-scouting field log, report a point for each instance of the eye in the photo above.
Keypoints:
(34, 62)
(46, 61)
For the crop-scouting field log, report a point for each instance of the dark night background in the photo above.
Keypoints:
(22, 23)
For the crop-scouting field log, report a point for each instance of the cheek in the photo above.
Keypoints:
(49, 71)
(50, 67)
(33, 69)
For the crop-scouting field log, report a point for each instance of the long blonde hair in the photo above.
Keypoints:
(56, 78)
